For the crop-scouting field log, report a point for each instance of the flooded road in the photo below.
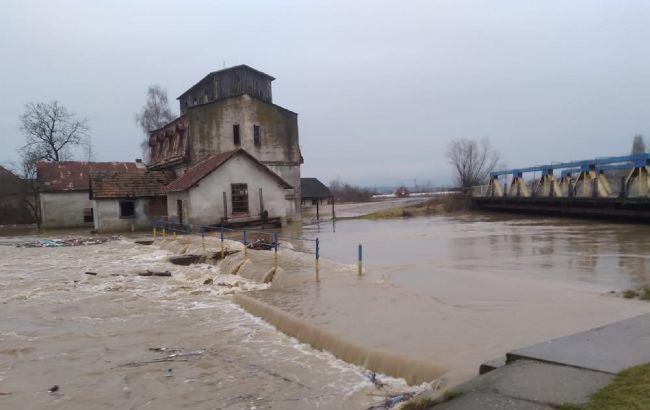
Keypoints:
(447, 292)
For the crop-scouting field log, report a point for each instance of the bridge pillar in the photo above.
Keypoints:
(518, 185)
(591, 184)
(494, 188)
(547, 185)
(637, 183)
(566, 186)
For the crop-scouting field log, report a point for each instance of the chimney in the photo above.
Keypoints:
(139, 164)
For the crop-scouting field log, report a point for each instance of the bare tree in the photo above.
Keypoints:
(51, 131)
(472, 161)
(155, 113)
(638, 145)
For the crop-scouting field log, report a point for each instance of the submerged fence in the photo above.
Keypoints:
(163, 228)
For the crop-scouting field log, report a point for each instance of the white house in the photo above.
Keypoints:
(229, 187)
(64, 191)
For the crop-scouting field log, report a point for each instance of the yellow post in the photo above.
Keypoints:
(174, 235)
(164, 234)
(275, 261)
(360, 255)
(223, 251)
(203, 243)
(154, 233)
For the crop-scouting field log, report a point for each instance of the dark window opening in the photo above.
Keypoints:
(239, 198)
(88, 215)
(256, 135)
(179, 211)
(127, 209)
(235, 134)
(195, 101)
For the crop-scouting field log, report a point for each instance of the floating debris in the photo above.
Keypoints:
(152, 273)
(55, 243)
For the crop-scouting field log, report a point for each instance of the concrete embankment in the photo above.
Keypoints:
(566, 371)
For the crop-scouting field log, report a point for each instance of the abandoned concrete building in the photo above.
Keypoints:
(231, 156)
(229, 110)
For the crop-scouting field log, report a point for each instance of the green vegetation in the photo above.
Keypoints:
(630, 390)
(641, 294)
(418, 404)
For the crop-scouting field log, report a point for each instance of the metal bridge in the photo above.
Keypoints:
(611, 186)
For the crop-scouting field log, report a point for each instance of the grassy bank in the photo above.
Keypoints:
(433, 206)
(630, 390)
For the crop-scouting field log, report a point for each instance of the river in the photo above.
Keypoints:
(448, 290)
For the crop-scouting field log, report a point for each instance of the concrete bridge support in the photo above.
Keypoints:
(637, 183)
(591, 184)
(548, 185)
(494, 188)
(518, 186)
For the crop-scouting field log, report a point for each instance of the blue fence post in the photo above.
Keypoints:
(317, 260)
(360, 259)
(275, 248)
(222, 248)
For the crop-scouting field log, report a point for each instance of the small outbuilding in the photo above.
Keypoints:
(315, 194)
(64, 190)
(228, 188)
(128, 200)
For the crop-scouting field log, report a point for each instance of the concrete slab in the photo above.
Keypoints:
(489, 401)
(610, 348)
(539, 382)
(492, 365)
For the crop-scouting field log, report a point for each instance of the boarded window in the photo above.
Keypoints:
(235, 134)
(88, 215)
(239, 198)
(127, 208)
(256, 135)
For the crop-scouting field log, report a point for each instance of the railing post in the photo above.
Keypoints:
(222, 248)
(245, 244)
(275, 248)
(174, 231)
(360, 260)
(317, 260)
(203, 238)
(154, 232)
(164, 231)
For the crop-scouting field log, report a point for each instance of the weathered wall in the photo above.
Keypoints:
(64, 209)
(205, 201)
(211, 131)
(107, 215)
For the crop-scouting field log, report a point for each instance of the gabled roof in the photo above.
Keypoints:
(137, 184)
(10, 183)
(314, 189)
(233, 68)
(199, 171)
(68, 176)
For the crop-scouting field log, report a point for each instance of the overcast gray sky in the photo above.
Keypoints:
(380, 87)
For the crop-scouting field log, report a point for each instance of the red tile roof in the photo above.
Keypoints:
(67, 176)
(128, 184)
(210, 164)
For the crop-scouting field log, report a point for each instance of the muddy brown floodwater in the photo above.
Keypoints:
(438, 296)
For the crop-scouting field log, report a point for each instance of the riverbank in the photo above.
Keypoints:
(600, 369)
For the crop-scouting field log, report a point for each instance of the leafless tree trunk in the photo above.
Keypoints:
(51, 130)
(31, 191)
(154, 114)
(472, 161)
(638, 145)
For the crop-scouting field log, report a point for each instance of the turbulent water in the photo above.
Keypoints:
(449, 292)
(119, 340)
